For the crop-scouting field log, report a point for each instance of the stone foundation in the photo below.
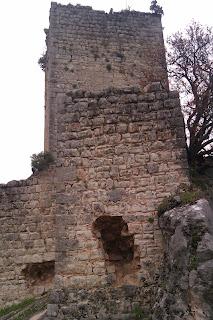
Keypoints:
(103, 303)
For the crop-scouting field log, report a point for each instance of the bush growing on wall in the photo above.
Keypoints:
(41, 160)
(43, 61)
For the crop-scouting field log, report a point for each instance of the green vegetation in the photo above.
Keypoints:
(25, 309)
(193, 263)
(139, 314)
(190, 196)
(155, 8)
(187, 195)
(151, 219)
(16, 306)
(29, 312)
(41, 161)
(43, 61)
(167, 204)
(196, 236)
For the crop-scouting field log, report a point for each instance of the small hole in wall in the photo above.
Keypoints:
(109, 67)
(39, 273)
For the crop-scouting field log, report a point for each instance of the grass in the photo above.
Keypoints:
(25, 309)
(188, 194)
(26, 314)
(16, 306)
(139, 314)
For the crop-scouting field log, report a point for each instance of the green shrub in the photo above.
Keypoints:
(41, 161)
(167, 204)
(42, 61)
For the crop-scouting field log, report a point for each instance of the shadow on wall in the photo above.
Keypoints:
(39, 276)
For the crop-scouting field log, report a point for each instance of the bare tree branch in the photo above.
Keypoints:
(190, 65)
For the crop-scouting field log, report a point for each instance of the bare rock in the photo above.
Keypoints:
(185, 288)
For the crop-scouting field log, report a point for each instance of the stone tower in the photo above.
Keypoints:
(118, 138)
(92, 50)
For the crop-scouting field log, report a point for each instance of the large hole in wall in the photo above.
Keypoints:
(39, 274)
(119, 248)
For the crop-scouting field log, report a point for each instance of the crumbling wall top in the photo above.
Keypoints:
(125, 12)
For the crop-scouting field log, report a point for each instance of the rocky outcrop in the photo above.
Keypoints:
(186, 281)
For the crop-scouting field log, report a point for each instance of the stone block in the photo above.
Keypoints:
(52, 310)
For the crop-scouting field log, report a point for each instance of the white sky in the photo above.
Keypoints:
(22, 82)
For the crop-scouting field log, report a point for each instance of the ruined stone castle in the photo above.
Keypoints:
(88, 224)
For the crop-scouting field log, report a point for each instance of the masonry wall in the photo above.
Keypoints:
(123, 152)
(27, 251)
(119, 149)
(93, 50)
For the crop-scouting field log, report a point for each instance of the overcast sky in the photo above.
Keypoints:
(22, 82)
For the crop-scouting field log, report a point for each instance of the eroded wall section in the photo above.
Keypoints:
(27, 252)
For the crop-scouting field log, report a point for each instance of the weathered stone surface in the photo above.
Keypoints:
(186, 282)
(52, 310)
(117, 154)
(102, 303)
(26, 236)
(114, 50)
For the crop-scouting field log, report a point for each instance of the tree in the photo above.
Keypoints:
(190, 66)
(155, 8)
